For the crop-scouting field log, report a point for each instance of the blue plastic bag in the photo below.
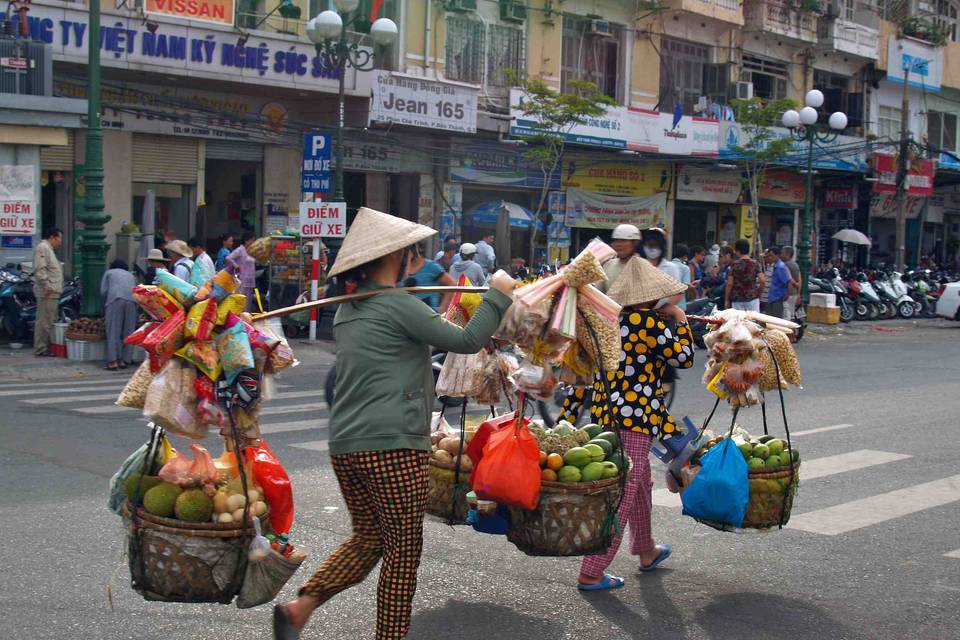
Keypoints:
(721, 490)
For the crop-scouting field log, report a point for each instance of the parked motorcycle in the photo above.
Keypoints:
(829, 282)
(867, 303)
(18, 305)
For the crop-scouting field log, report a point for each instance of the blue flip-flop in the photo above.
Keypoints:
(608, 582)
(665, 551)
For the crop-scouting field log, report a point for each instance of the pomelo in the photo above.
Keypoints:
(746, 449)
(772, 462)
(569, 473)
(593, 430)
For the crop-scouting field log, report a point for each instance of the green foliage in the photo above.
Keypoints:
(924, 29)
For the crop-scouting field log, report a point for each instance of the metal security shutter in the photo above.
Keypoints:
(227, 150)
(58, 158)
(165, 159)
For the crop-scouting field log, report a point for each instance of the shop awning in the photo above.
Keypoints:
(487, 214)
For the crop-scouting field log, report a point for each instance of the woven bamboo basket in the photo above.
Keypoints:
(768, 507)
(571, 519)
(174, 561)
(442, 487)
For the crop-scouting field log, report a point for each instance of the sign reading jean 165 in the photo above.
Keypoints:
(417, 102)
(323, 219)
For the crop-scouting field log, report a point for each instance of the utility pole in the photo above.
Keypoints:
(903, 166)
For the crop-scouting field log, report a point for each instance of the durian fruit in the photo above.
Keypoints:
(130, 486)
(193, 505)
(161, 499)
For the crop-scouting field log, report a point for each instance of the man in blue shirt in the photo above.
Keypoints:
(780, 283)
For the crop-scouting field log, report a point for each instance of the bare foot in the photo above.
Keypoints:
(585, 579)
(300, 610)
(646, 559)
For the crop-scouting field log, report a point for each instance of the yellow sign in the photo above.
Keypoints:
(616, 178)
(748, 223)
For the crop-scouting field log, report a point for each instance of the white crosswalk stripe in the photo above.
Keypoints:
(112, 379)
(952, 554)
(56, 399)
(834, 427)
(57, 391)
(316, 445)
(298, 425)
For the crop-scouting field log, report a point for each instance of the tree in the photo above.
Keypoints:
(554, 116)
(761, 145)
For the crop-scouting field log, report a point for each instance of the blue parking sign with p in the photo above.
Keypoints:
(317, 153)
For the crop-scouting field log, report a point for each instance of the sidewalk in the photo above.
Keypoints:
(21, 364)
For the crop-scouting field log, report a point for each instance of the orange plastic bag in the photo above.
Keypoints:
(509, 472)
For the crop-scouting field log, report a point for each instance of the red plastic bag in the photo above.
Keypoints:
(273, 479)
(509, 472)
(488, 428)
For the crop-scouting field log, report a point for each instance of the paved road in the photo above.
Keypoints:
(873, 549)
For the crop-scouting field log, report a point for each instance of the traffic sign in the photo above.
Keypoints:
(315, 175)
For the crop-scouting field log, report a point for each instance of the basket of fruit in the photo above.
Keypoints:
(87, 330)
(449, 482)
(582, 481)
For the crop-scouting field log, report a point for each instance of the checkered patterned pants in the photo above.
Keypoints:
(386, 494)
(634, 508)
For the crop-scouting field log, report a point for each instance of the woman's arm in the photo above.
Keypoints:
(234, 258)
(424, 325)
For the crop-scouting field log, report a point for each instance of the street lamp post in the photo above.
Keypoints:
(803, 127)
(328, 32)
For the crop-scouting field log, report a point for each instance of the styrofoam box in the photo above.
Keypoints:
(823, 299)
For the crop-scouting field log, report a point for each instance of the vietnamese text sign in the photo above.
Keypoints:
(315, 173)
(418, 102)
(783, 190)
(215, 11)
(920, 63)
(615, 178)
(323, 219)
(919, 176)
(885, 205)
(845, 153)
(698, 183)
(595, 211)
(18, 217)
(18, 200)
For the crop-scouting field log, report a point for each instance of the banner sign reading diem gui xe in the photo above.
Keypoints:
(18, 200)
(323, 219)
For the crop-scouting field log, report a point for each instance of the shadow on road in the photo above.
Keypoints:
(481, 621)
(658, 618)
(761, 615)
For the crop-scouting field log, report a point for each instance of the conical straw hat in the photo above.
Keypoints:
(373, 235)
(640, 282)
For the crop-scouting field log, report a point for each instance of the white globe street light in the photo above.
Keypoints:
(791, 119)
(346, 6)
(814, 98)
(326, 26)
(808, 116)
(383, 31)
(838, 121)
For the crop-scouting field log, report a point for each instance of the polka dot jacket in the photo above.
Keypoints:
(636, 393)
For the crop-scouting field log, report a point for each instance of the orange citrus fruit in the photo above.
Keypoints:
(549, 475)
(554, 461)
(543, 458)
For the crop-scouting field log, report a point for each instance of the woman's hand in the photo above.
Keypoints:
(672, 312)
(502, 282)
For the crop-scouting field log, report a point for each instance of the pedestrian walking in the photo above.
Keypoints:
(681, 258)
(780, 283)
(226, 246)
(745, 281)
(47, 287)
(697, 256)
(468, 266)
(120, 312)
(182, 258)
(486, 256)
(636, 405)
(793, 297)
(428, 273)
(714, 283)
(448, 254)
(244, 266)
(383, 366)
(203, 267)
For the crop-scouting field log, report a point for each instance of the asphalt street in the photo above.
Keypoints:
(872, 551)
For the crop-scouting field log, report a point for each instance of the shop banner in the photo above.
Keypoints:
(615, 178)
(886, 205)
(215, 11)
(493, 163)
(595, 211)
(840, 197)
(211, 52)
(698, 183)
(783, 190)
(845, 153)
(452, 210)
(418, 102)
(920, 63)
(626, 128)
(948, 162)
(919, 176)
(747, 223)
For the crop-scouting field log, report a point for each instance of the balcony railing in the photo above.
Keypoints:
(850, 37)
(784, 19)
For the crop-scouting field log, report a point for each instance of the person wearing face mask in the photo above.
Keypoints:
(380, 419)
(654, 248)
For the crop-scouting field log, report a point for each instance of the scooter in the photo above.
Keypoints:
(867, 303)
(829, 282)
(895, 299)
(18, 305)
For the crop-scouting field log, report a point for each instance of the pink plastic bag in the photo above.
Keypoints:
(203, 470)
(183, 471)
(176, 469)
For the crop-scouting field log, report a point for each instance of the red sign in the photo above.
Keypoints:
(840, 198)
(919, 176)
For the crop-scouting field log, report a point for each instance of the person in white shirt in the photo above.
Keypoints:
(203, 267)
(183, 257)
(486, 256)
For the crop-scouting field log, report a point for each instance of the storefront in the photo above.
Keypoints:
(703, 214)
(839, 210)
(782, 198)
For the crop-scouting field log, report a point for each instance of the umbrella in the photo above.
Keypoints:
(488, 213)
(853, 237)
(502, 242)
(147, 228)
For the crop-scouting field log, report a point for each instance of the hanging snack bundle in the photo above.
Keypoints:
(235, 353)
(204, 356)
(178, 289)
(164, 341)
(155, 301)
(201, 319)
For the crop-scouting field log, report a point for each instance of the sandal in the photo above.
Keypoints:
(283, 628)
(111, 368)
(665, 551)
(607, 582)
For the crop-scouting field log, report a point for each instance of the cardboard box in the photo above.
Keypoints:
(823, 315)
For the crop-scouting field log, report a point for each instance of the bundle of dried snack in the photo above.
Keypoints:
(492, 380)
(785, 354)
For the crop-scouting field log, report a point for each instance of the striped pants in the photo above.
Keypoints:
(634, 508)
(386, 494)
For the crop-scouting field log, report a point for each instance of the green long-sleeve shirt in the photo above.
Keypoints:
(385, 390)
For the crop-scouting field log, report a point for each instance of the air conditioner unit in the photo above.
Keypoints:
(513, 11)
(744, 90)
(599, 28)
(26, 67)
(461, 5)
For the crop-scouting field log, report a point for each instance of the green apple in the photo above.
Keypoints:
(746, 449)
(776, 447)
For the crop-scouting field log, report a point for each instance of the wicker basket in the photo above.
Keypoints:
(441, 491)
(571, 519)
(81, 336)
(767, 500)
(174, 561)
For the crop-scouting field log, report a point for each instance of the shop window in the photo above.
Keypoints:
(465, 49)
(688, 77)
(506, 50)
(769, 78)
(171, 206)
(888, 123)
(590, 55)
(838, 97)
(942, 130)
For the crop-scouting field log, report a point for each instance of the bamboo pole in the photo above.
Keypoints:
(351, 297)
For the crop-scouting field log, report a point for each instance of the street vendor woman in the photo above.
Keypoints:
(631, 399)
(380, 419)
